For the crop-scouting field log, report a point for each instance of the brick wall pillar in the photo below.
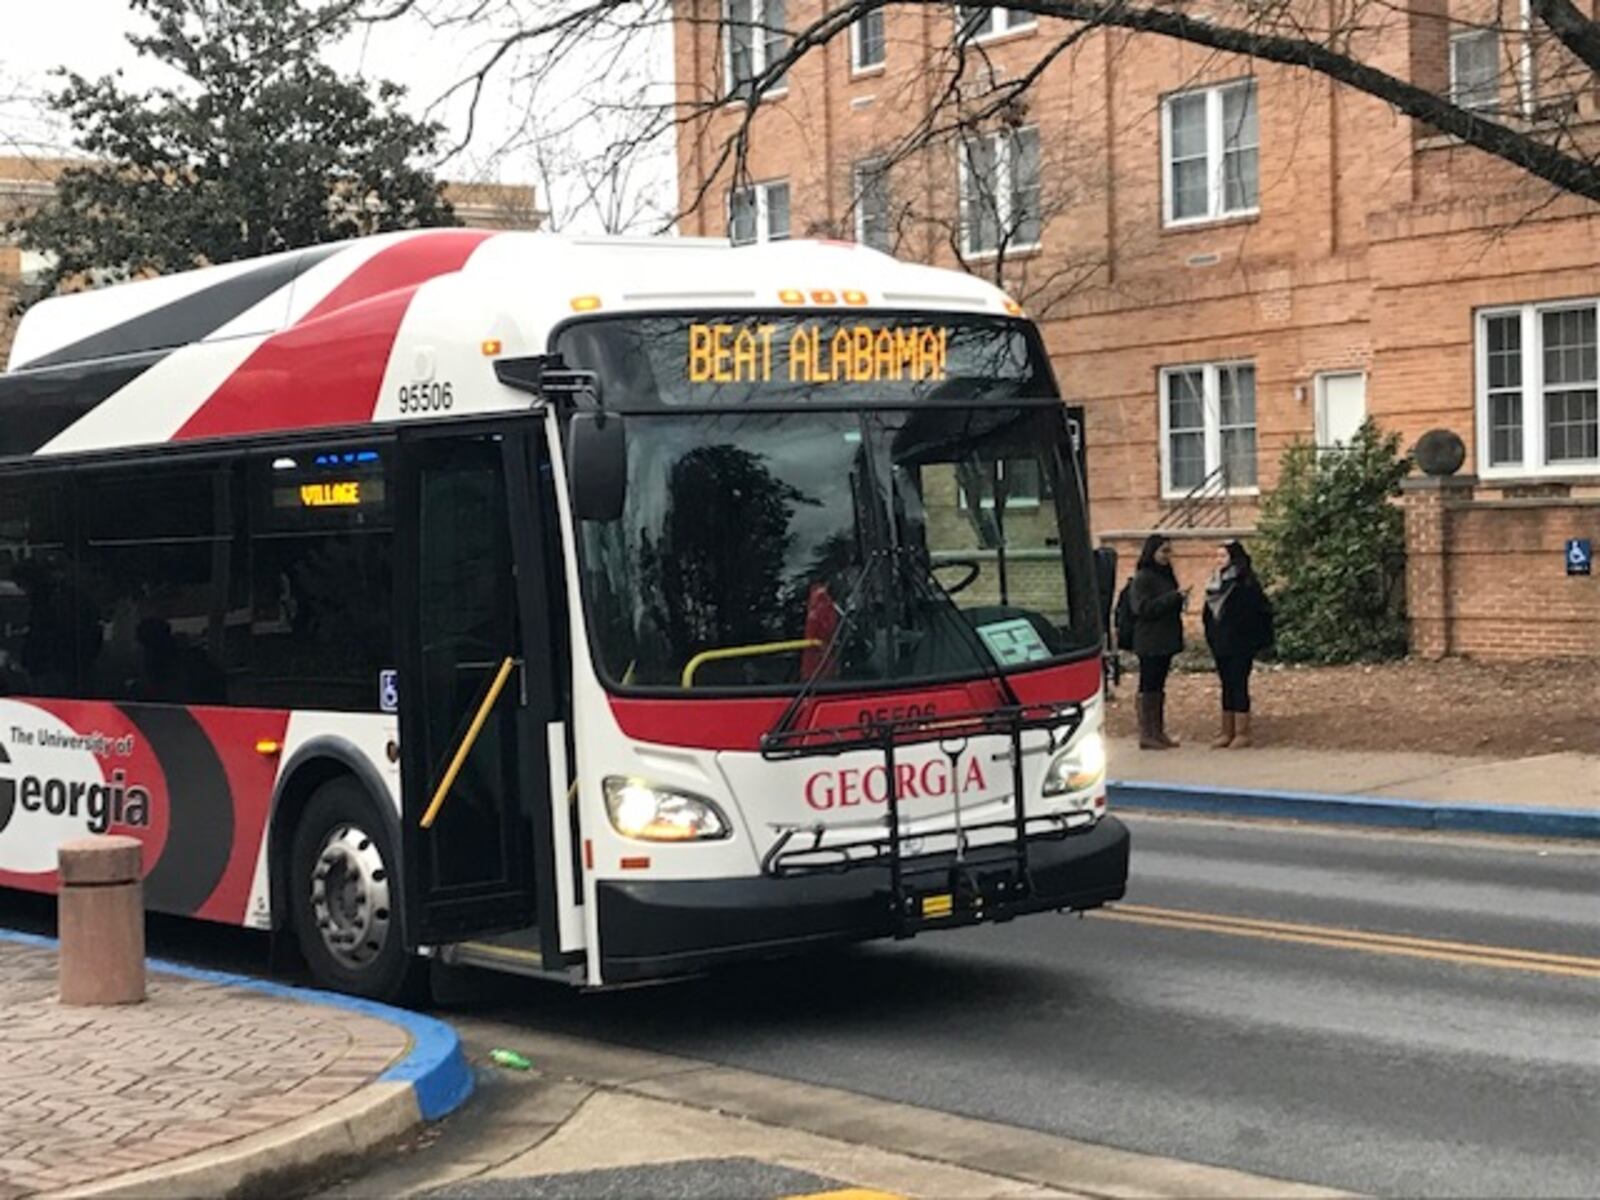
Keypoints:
(1427, 501)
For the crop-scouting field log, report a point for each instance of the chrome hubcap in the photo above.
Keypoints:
(350, 896)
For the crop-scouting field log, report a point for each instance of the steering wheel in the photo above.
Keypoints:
(973, 568)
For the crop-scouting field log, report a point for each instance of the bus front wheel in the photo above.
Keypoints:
(346, 895)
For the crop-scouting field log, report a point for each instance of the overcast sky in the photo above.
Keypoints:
(89, 36)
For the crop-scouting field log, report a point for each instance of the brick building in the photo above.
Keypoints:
(1224, 255)
(25, 183)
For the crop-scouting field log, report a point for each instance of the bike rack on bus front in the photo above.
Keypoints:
(990, 881)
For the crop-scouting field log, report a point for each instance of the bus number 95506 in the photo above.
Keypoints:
(425, 397)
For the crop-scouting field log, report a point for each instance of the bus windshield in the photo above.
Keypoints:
(762, 551)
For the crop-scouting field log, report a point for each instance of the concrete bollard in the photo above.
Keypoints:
(101, 921)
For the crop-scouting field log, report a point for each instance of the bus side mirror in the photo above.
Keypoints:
(597, 457)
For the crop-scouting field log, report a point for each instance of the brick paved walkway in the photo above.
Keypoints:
(88, 1093)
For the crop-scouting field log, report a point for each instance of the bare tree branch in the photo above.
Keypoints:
(1576, 31)
(529, 45)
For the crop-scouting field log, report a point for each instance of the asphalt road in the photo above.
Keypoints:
(1394, 1066)
(1227, 1013)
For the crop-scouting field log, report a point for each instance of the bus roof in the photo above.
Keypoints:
(254, 296)
(334, 335)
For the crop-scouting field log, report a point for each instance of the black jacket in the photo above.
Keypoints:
(1157, 612)
(1245, 623)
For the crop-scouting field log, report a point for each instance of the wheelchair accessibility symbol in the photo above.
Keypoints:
(389, 691)
(1580, 556)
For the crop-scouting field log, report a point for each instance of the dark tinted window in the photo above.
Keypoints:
(264, 583)
(161, 566)
(467, 626)
(45, 624)
(321, 620)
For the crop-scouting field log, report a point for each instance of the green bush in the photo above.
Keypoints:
(1332, 550)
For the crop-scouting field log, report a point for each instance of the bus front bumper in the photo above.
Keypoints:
(650, 929)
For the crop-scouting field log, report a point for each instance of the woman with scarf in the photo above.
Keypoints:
(1158, 606)
(1238, 621)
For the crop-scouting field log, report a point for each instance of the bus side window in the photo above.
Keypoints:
(157, 559)
(321, 579)
(44, 623)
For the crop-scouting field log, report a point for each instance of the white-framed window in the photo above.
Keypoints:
(871, 178)
(759, 213)
(1210, 154)
(1000, 191)
(1538, 402)
(975, 24)
(1475, 69)
(868, 49)
(1527, 75)
(755, 39)
(1208, 420)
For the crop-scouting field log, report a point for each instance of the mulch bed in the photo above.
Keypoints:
(1457, 706)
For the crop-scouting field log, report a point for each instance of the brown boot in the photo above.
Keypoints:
(1171, 743)
(1224, 739)
(1147, 722)
(1241, 735)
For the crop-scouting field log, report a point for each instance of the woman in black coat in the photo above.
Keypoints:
(1158, 606)
(1238, 620)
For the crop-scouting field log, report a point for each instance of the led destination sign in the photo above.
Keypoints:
(817, 352)
(320, 489)
(727, 359)
(331, 495)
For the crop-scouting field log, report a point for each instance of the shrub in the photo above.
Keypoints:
(1332, 550)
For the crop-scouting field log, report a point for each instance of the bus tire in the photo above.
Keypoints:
(345, 895)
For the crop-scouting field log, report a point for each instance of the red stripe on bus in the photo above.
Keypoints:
(233, 733)
(327, 368)
(403, 265)
(719, 723)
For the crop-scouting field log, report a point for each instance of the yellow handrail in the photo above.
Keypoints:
(705, 656)
(468, 742)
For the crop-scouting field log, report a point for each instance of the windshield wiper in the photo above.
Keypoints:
(915, 570)
(920, 572)
(848, 612)
(864, 489)
(897, 563)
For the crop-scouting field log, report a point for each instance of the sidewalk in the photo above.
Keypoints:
(1548, 794)
(594, 1121)
(213, 1083)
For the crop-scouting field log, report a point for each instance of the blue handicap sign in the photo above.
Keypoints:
(1580, 556)
(389, 691)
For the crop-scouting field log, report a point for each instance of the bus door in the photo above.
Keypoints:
(473, 707)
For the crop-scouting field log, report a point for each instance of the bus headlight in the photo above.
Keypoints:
(655, 814)
(1079, 766)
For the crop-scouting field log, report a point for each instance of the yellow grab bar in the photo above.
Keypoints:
(468, 742)
(705, 656)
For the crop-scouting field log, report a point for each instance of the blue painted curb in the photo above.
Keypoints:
(435, 1066)
(1355, 810)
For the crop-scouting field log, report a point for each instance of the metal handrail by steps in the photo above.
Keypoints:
(1207, 505)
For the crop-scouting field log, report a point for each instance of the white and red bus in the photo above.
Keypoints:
(599, 610)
